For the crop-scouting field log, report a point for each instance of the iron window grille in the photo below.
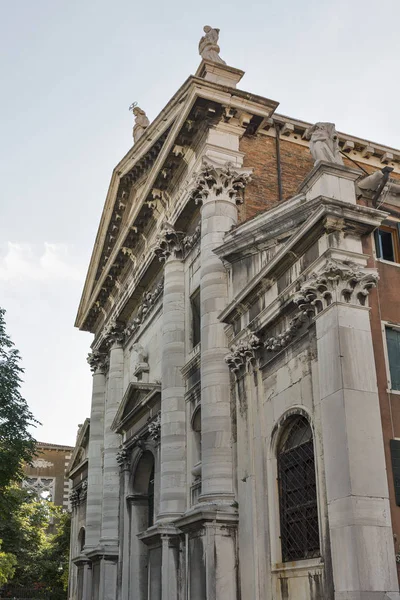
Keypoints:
(298, 492)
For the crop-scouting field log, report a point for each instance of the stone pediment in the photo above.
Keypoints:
(137, 397)
(152, 176)
(80, 452)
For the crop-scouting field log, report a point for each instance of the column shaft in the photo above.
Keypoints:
(218, 215)
(95, 469)
(173, 415)
(357, 493)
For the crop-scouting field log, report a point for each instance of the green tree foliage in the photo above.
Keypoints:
(16, 443)
(7, 566)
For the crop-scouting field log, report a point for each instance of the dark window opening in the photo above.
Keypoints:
(298, 493)
(387, 244)
(195, 307)
(150, 499)
(395, 454)
(393, 348)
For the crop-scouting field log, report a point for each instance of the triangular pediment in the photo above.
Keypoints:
(137, 396)
(149, 175)
(80, 452)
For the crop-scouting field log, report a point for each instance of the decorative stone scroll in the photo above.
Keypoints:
(148, 301)
(114, 333)
(243, 354)
(168, 242)
(98, 361)
(155, 428)
(227, 179)
(78, 495)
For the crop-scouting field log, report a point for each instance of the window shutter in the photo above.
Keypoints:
(395, 454)
(377, 244)
(393, 348)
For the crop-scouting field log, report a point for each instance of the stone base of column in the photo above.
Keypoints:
(107, 560)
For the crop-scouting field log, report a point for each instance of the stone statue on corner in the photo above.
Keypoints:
(324, 144)
(208, 45)
(141, 122)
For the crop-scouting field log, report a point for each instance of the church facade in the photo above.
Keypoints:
(242, 293)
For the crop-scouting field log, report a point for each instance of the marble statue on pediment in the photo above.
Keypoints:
(324, 145)
(208, 45)
(141, 122)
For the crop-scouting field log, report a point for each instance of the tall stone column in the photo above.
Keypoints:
(218, 188)
(97, 364)
(173, 409)
(357, 492)
(111, 473)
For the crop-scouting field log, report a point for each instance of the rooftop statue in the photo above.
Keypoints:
(208, 45)
(141, 122)
(324, 143)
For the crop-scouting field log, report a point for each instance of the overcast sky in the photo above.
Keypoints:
(70, 70)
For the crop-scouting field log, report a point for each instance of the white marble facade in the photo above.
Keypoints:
(214, 344)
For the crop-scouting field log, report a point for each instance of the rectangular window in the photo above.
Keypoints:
(393, 350)
(395, 454)
(387, 244)
(195, 309)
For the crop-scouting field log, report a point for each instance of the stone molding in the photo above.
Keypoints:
(148, 302)
(243, 354)
(168, 243)
(227, 179)
(98, 361)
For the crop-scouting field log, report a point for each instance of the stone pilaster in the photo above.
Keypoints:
(219, 188)
(357, 492)
(173, 415)
(97, 362)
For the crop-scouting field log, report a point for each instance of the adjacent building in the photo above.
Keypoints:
(46, 474)
(244, 436)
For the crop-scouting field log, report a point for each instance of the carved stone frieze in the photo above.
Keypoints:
(98, 361)
(155, 428)
(243, 354)
(227, 179)
(189, 241)
(148, 301)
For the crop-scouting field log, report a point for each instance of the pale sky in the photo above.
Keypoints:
(69, 71)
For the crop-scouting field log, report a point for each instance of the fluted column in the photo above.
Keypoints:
(219, 189)
(111, 478)
(97, 364)
(173, 413)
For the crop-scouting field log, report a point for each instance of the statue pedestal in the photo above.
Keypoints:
(331, 180)
(219, 73)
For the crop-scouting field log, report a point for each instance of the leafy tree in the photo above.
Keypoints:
(7, 566)
(16, 443)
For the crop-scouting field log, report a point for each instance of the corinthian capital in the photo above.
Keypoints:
(220, 180)
(97, 361)
(168, 242)
(114, 333)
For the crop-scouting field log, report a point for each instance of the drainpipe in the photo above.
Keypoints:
(278, 159)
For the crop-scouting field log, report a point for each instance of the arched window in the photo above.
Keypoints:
(298, 492)
(150, 499)
(81, 539)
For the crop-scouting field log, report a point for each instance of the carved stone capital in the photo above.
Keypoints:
(123, 458)
(220, 180)
(243, 354)
(98, 361)
(168, 242)
(114, 333)
(336, 282)
(155, 428)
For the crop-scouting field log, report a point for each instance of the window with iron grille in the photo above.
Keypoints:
(298, 492)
